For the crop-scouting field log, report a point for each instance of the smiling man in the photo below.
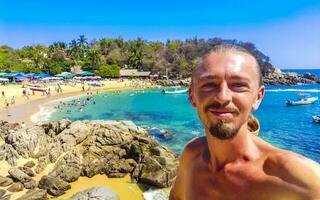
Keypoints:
(230, 162)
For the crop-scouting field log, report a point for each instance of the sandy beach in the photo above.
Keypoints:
(23, 108)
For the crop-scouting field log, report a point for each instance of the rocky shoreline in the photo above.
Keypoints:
(273, 78)
(81, 148)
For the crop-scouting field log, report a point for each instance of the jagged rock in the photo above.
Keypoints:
(87, 148)
(2, 192)
(96, 193)
(5, 181)
(30, 142)
(54, 185)
(159, 170)
(74, 134)
(27, 170)
(19, 175)
(34, 194)
(29, 164)
(30, 184)
(8, 153)
(69, 168)
(54, 153)
(16, 187)
(42, 163)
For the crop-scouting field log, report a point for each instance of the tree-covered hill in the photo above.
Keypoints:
(175, 57)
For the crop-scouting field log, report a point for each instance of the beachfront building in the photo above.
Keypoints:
(134, 73)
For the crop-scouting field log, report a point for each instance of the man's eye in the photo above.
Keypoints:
(209, 85)
(238, 85)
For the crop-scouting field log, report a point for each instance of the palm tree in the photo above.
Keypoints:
(83, 45)
(74, 51)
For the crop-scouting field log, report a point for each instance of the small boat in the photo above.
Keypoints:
(316, 118)
(175, 91)
(304, 101)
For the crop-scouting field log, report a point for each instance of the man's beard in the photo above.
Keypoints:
(221, 131)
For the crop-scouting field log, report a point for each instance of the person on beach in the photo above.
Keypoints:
(3, 94)
(230, 162)
(13, 100)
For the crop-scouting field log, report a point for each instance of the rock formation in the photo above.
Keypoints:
(83, 148)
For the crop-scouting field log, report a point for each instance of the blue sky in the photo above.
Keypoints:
(287, 31)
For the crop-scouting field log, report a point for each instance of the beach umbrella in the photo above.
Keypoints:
(8, 74)
(31, 75)
(2, 74)
(42, 75)
(65, 75)
(87, 73)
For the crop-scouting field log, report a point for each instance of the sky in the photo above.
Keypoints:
(288, 31)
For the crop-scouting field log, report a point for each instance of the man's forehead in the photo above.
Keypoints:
(234, 63)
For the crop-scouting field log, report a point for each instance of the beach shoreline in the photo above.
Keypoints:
(24, 109)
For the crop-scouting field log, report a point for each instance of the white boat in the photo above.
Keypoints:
(304, 101)
(316, 118)
(175, 91)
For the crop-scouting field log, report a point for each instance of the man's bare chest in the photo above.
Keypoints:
(202, 184)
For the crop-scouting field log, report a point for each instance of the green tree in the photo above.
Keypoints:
(109, 71)
(92, 61)
(135, 58)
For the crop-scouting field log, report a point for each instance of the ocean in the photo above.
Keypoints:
(285, 127)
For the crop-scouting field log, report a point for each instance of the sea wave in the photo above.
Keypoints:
(292, 90)
(43, 115)
(155, 194)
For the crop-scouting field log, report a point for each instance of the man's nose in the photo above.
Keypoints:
(224, 94)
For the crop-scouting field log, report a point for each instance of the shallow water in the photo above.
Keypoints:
(286, 127)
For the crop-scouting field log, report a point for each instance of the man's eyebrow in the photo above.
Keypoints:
(208, 76)
(237, 77)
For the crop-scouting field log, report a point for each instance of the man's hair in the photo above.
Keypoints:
(224, 48)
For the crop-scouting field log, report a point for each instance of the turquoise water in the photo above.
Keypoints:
(286, 127)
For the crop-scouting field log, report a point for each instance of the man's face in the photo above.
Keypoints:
(225, 90)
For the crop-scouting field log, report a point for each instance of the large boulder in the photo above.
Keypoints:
(54, 185)
(19, 175)
(96, 193)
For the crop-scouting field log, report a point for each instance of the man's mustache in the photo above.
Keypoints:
(217, 105)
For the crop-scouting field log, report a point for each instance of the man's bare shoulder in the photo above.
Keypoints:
(194, 147)
(294, 169)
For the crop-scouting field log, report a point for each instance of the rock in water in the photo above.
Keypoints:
(96, 193)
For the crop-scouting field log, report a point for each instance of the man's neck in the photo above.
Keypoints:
(241, 148)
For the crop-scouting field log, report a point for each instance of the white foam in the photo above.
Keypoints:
(157, 194)
(293, 90)
(43, 115)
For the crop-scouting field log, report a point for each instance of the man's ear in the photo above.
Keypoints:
(191, 98)
(259, 98)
